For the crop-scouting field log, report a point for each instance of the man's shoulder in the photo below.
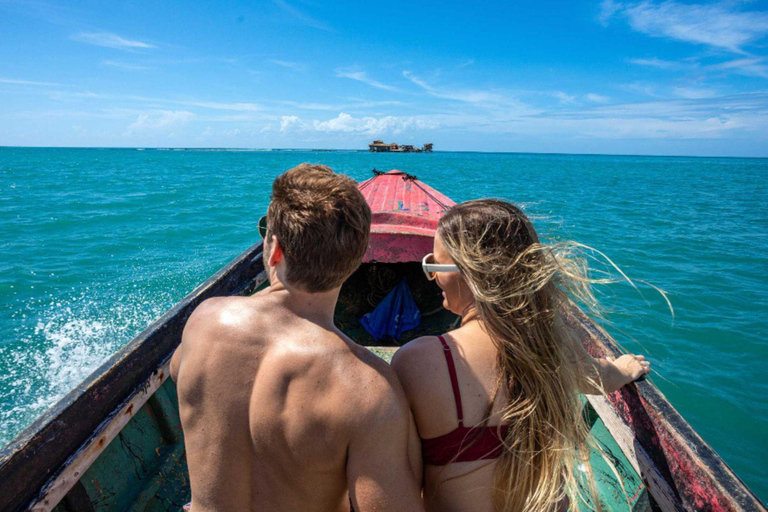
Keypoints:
(370, 367)
(373, 386)
(219, 319)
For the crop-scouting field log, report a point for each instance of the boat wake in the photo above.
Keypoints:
(65, 345)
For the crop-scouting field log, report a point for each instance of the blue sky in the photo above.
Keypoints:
(607, 76)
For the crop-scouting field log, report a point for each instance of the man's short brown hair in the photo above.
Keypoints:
(322, 223)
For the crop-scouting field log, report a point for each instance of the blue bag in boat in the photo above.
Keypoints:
(394, 315)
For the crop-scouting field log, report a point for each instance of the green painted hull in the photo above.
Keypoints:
(144, 468)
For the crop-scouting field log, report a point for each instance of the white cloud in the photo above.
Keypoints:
(215, 105)
(159, 120)
(753, 66)
(301, 17)
(210, 132)
(654, 128)
(641, 88)
(354, 104)
(361, 76)
(296, 66)
(720, 25)
(700, 118)
(564, 98)
(149, 102)
(313, 106)
(109, 40)
(372, 125)
(597, 98)
(421, 83)
(656, 63)
(704, 105)
(474, 96)
(289, 122)
(748, 66)
(346, 123)
(123, 65)
(694, 94)
(30, 82)
(607, 9)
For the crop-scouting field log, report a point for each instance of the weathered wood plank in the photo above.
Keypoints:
(37, 454)
(665, 497)
(76, 466)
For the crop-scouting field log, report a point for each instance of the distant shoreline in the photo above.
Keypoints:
(321, 150)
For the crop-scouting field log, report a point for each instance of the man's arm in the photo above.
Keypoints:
(176, 363)
(414, 451)
(379, 474)
(199, 320)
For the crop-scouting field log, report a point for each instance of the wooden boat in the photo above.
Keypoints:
(115, 441)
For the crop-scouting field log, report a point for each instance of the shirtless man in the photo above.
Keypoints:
(281, 411)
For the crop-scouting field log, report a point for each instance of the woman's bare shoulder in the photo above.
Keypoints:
(417, 358)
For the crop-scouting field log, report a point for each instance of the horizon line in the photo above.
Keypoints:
(326, 150)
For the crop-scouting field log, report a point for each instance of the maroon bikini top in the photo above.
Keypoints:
(464, 444)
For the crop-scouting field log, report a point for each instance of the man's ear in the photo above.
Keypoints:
(277, 252)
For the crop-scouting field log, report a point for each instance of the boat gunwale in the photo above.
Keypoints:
(30, 461)
(76, 466)
(681, 443)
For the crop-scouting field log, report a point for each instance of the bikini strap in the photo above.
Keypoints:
(454, 379)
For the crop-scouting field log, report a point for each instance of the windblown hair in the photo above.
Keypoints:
(519, 286)
(323, 224)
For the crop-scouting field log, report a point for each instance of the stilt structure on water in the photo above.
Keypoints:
(378, 146)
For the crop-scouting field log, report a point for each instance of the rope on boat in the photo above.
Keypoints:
(439, 202)
(376, 174)
(406, 177)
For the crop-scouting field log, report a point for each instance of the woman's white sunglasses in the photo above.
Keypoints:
(431, 269)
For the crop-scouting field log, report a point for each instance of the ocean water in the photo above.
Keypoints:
(96, 243)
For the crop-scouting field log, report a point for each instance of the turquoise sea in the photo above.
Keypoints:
(96, 243)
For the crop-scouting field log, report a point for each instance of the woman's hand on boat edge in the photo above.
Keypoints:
(631, 367)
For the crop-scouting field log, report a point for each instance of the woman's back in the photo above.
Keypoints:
(425, 373)
(513, 350)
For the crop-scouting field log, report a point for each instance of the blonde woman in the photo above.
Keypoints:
(495, 401)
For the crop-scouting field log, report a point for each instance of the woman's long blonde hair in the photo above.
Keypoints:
(519, 285)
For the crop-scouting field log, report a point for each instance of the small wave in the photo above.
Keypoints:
(65, 346)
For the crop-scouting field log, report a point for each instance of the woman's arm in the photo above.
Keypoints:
(616, 373)
(604, 375)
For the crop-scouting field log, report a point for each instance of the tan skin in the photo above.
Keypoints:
(421, 367)
(283, 412)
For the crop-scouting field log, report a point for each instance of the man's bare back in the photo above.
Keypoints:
(282, 412)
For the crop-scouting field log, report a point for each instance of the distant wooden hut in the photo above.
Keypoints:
(379, 146)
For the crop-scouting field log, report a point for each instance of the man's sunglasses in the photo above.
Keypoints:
(431, 268)
(263, 227)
